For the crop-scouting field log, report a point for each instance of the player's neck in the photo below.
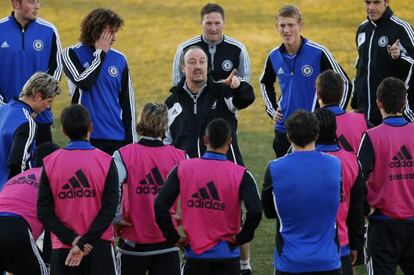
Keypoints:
(23, 22)
(293, 49)
(309, 147)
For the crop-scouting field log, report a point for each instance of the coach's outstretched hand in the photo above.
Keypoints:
(394, 50)
(232, 81)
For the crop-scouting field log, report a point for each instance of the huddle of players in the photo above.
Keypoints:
(77, 192)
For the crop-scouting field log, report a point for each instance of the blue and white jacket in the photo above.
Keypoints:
(17, 139)
(100, 81)
(296, 76)
(25, 51)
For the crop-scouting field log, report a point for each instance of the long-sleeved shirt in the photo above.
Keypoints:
(17, 134)
(46, 209)
(296, 76)
(24, 51)
(247, 193)
(101, 82)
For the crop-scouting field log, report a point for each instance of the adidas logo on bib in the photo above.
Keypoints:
(77, 187)
(402, 159)
(151, 184)
(206, 198)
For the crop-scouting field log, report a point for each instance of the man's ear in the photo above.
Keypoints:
(229, 140)
(205, 139)
(38, 96)
(90, 127)
(379, 104)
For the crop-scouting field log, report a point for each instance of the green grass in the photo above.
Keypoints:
(153, 29)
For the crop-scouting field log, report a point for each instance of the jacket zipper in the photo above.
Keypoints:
(369, 74)
(22, 39)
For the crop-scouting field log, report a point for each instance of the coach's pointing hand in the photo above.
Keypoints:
(394, 51)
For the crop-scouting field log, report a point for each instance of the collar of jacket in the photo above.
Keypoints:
(18, 24)
(21, 102)
(208, 42)
(179, 88)
(385, 17)
(303, 41)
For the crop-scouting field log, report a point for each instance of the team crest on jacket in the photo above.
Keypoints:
(383, 41)
(113, 71)
(38, 45)
(307, 70)
(227, 65)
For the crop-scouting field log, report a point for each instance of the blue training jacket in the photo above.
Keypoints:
(25, 51)
(17, 139)
(100, 81)
(296, 77)
(306, 191)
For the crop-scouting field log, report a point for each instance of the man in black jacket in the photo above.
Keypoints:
(197, 99)
(385, 46)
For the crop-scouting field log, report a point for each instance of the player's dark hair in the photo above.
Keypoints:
(75, 121)
(218, 132)
(327, 126)
(392, 94)
(95, 22)
(43, 150)
(302, 128)
(330, 87)
(209, 8)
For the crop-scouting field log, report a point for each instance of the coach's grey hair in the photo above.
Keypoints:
(289, 11)
(195, 47)
(42, 83)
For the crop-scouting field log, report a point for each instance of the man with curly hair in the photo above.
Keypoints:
(99, 79)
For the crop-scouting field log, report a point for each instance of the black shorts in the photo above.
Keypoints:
(18, 251)
(346, 262)
(390, 244)
(101, 261)
(160, 264)
(281, 144)
(331, 272)
(212, 267)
